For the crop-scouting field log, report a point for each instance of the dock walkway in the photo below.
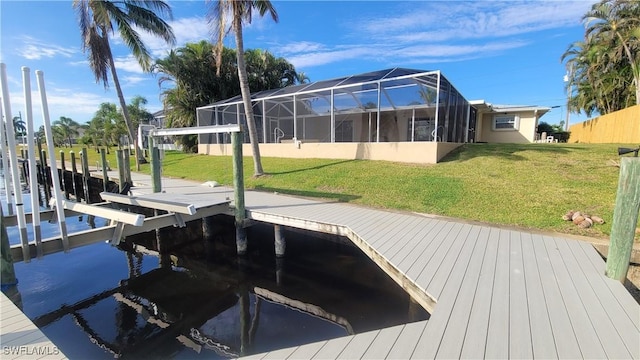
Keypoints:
(492, 292)
(20, 338)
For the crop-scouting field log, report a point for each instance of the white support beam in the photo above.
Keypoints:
(92, 236)
(111, 214)
(170, 206)
(213, 129)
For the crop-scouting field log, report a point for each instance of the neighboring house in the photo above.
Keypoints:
(398, 114)
(506, 123)
(158, 122)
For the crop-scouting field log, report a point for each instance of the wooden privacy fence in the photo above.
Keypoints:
(620, 127)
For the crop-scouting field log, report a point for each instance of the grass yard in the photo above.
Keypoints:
(528, 185)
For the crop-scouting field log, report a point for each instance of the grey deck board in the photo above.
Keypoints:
(406, 342)
(383, 343)
(582, 326)
(411, 230)
(424, 249)
(438, 254)
(520, 346)
(446, 316)
(542, 341)
(307, 351)
(611, 341)
(439, 277)
(498, 333)
(378, 230)
(415, 232)
(389, 234)
(333, 348)
(358, 345)
(563, 331)
(476, 338)
(278, 354)
(424, 237)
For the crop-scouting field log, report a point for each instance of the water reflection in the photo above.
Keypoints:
(199, 300)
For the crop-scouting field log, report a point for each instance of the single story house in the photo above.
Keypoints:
(398, 114)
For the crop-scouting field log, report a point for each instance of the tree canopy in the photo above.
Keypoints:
(604, 69)
(187, 77)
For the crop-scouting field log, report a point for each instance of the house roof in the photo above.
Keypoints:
(340, 82)
(486, 107)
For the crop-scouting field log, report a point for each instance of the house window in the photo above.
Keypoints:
(505, 122)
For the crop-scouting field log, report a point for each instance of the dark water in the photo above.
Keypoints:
(199, 299)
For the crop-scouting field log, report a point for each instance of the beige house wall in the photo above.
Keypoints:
(525, 133)
(406, 152)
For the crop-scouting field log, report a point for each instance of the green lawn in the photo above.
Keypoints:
(530, 185)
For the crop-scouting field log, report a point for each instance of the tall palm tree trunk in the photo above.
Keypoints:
(246, 97)
(125, 112)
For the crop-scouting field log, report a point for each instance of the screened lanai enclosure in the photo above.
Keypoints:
(387, 106)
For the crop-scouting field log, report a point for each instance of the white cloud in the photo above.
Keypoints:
(33, 49)
(129, 64)
(439, 31)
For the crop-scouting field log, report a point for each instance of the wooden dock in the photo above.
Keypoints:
(492, 292)
(20, 338)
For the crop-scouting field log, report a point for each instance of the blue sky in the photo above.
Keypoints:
(505, 52)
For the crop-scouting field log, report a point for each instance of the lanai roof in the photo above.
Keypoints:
(359, 79)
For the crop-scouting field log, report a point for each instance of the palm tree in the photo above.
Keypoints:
(98, 19)
(240, 11)
(68, 128)
(616, 23)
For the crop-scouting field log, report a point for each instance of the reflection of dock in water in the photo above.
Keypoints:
(171, 308)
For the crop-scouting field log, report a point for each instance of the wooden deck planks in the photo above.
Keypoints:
(542, 340)
(406, 342)
(520, 346)
(424, 236)
(382, 344)
(610, 340)
(359, 345)
(452, 313)
(624, 325)
(476, 335)
(435, 280)
(307, 351)
(498, 333)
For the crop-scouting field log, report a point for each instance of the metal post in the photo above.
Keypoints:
(625, 218)
(238, 190)
(105, 177)
(332, 132)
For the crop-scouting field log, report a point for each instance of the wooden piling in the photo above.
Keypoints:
(74, 175)
(8, 275)
(84, 162)
(121, 165)
(155, 166)
(105, 177)
(625, 219)
(279, 241)
(238, 191)
(127, 167)
(63, 168)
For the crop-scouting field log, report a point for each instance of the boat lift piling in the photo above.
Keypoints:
(11, 143)
(31, 161)
(238, 176)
